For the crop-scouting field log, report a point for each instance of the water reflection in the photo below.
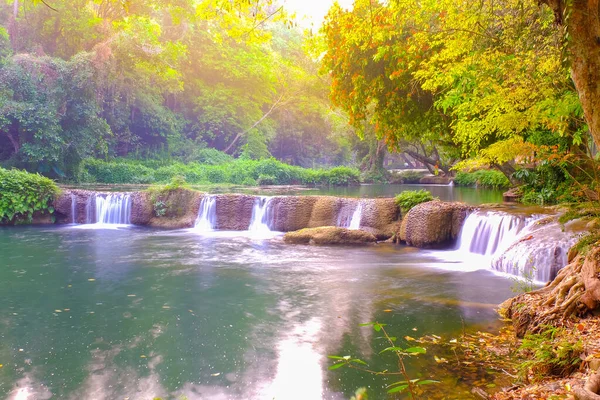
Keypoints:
(142, 313)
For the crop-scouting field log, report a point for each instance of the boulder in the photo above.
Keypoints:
(433, 224)
(512, 195)
(294, 212)
(234, 211)
(329, 235)
(435, 180)
(180, 208)
(63, 206)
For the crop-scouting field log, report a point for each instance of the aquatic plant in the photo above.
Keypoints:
(406, 385)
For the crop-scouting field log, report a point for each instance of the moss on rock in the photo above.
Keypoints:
(329, 235)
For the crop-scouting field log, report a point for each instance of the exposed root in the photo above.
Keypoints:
(560, 300)
(590, 390)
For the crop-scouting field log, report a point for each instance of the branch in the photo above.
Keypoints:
(239, 135)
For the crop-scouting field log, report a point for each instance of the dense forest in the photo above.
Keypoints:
(110, 91)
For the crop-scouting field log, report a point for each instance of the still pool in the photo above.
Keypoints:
(139, 313)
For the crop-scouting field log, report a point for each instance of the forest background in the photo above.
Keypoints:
(233, 91)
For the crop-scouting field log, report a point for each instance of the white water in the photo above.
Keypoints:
(89, 212)
(356, 217)
(73, 209)
(207, 214)
(113, 209)
(489, 233)
(350, 214)
(523, 246)
(261, 215)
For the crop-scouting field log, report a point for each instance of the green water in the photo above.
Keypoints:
(468, 195)
(139, 313)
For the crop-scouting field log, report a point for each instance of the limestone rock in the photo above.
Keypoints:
(329, 235)
(435, 180)
(181, 208)
(433, 224)
(234, 211)
(64, 202)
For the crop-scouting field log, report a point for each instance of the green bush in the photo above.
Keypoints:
(342, 176)
(239, 172)
(410, 198)
(554, 351)
(483, 178)
(22, 194)
(211, 157)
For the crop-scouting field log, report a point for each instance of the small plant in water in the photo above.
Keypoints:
(406, 385)
(525, 282)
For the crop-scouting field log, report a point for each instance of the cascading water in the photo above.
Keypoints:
(261, 215)
(488, 233)
(73, 209)
(207, 214)
(113, 209)
(350, 214)
(529, 247)
(356, 217)
(89, 211)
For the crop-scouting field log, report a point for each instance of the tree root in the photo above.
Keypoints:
(558, 301)
(590, 390)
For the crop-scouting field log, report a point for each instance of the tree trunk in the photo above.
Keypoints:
(16, 8)
(14, 141)
(582, 21)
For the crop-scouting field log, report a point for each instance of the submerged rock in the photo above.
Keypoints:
(433, 224)
(329, 235)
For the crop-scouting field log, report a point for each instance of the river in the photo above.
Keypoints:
(140, 313)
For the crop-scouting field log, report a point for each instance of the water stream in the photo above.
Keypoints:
(140, 313)
(113, 209)
(261, 215)
(207, 214)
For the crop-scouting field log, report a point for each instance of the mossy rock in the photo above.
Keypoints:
(329, 235)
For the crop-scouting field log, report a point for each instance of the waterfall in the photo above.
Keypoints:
(113, 209)
(356, 216)
(73, 209)
(207, 214)
(89, 211)
(488, 233)
(350, 214)
(261, 215)
(529, 247)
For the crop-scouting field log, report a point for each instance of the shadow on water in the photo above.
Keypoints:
(140, 313)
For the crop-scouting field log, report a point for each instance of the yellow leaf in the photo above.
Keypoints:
(408, 338)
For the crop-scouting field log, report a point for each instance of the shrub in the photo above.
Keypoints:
(410, 198)
(22, 194)
(342, 176)
(554, 351)
(211, 156)
(482, 178)
(238, 171)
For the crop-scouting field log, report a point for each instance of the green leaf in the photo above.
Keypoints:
(398, 389)
(416, 350)
(427, 382)
(336, 366)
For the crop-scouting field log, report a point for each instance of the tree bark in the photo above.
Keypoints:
(582, 21)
